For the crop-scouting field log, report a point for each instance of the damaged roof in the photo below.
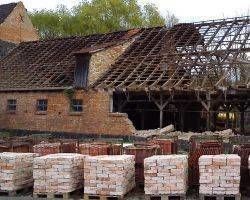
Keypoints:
(202, 56)
(50, 64)
(190, 56)
(5, 10)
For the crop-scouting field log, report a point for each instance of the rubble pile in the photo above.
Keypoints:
(109, 175)
(166, 174)
(58, 173)
(16, 170)
(45, 148)
(154, 132)
(219, 174)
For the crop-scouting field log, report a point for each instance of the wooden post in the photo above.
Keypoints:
(161, 111)
(161, 117)
(207, 107)
(161, 107)
(111, 102)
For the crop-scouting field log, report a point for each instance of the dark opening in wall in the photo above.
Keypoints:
(82, 70)
(145, 114)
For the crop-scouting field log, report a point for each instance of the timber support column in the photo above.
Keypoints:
(161, 105)
(207, 105)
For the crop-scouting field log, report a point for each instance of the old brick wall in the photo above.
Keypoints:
(95, 118)
(18, 27)
(101, 61)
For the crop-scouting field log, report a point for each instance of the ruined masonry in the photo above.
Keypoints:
(58, 173)
(16, 170)
(166, 174)
(219, 174)
(109, 175)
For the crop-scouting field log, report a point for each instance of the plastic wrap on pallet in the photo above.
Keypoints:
(219, 174)
(69, 147)
(58, 173)
(94, 149)
(166, 174)
(243, 151)
(197, 149)
(109, 175)
(16, 170)
(45, 148)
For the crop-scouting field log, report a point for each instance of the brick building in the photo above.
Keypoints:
(115, 83)
(15, 24)
(15, 27)
(37, 78)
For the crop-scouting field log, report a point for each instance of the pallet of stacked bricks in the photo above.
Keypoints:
(58, 174)
(16, 171)
(219, 176)
(108, 176)
(166, 176)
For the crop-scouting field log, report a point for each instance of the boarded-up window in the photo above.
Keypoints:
(81, 70)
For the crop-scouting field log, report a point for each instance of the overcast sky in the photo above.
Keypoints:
(185, 10)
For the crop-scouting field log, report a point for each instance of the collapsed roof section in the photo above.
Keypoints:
(50, 64)
(203, 56)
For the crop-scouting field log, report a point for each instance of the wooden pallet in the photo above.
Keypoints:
(16, 192)
(220, 197)
(166, 197)
(102, 197)
(66, 195)
(51, 196)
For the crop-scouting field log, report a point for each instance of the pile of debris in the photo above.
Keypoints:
(16, 170)
(225, 134)
(154, 132)
(58, 173)
(109, 175)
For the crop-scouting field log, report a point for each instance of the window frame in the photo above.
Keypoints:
(11, 105)
(44, 106)
(76, 105)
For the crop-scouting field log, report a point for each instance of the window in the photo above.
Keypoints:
(76, 105)
(11, 105)
(42, 105)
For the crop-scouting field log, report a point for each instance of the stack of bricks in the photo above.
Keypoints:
(58, 173)
(45, 148)
(219, 174)
(109, 175)
(16, 170)
(166, 175)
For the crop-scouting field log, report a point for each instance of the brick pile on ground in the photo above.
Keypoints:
(166, 175)
(45, 148)
(219, 174)
(16, 170)
(109, 175)
(58, 173)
